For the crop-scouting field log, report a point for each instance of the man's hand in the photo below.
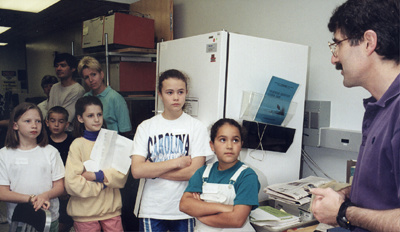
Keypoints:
(326, 204)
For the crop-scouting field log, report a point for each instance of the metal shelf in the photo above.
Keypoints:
(128, 52)
(139, 98)
(123, 52)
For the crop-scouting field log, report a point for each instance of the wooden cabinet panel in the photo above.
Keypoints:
(162, 13)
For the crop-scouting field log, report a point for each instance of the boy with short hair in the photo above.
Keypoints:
(57, 122)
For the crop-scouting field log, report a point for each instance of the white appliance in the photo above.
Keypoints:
(221, 67)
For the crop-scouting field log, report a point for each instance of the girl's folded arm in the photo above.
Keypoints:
(234, 219)
(145, 169)
(114, 178)
(194, 207)
(184, 174)
(75, 183)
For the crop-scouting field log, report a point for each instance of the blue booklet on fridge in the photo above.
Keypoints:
(276, 101)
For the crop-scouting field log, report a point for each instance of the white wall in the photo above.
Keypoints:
(296, 21)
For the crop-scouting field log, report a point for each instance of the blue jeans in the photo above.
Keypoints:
(150, 224)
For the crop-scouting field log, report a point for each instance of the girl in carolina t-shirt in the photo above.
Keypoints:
(167, 150)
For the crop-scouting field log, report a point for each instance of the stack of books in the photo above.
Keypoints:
(273, 219)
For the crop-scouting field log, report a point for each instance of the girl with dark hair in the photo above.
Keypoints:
(167, 150)
(221, 195)
(95, 203)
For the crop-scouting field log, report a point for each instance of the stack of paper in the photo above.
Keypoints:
(296, 192)
(272, 218)
(110, 151)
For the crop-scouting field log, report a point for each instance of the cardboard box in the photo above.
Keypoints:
(122, 29)
(92, 33)
(133, 76)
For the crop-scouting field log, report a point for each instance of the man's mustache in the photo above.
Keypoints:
(339, 66)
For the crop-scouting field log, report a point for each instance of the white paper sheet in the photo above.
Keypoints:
(110, 150)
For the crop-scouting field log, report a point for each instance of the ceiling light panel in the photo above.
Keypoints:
(3, 29)
(33, 6)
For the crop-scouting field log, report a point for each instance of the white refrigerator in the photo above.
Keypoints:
(225, 67)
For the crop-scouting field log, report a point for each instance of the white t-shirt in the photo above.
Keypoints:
(159, 139)
(43, 107)
(65, 97)
(31, 172)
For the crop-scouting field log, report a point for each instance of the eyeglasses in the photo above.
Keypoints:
(333, 46)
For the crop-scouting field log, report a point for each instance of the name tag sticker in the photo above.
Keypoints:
(21, 161)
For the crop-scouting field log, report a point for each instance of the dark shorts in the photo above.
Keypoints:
(149, 224)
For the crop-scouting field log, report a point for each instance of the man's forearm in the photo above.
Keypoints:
(374, 220)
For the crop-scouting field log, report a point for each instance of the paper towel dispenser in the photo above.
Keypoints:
(262, 136)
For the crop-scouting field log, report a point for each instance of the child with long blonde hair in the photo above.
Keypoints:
(30, 170)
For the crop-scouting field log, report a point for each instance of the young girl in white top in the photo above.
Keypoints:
(221, 195)
(167, 150)
(95, 202)
(30, 169)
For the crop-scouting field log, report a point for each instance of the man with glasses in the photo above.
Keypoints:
(366, 50)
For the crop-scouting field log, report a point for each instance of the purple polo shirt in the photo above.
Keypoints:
(376, 183)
